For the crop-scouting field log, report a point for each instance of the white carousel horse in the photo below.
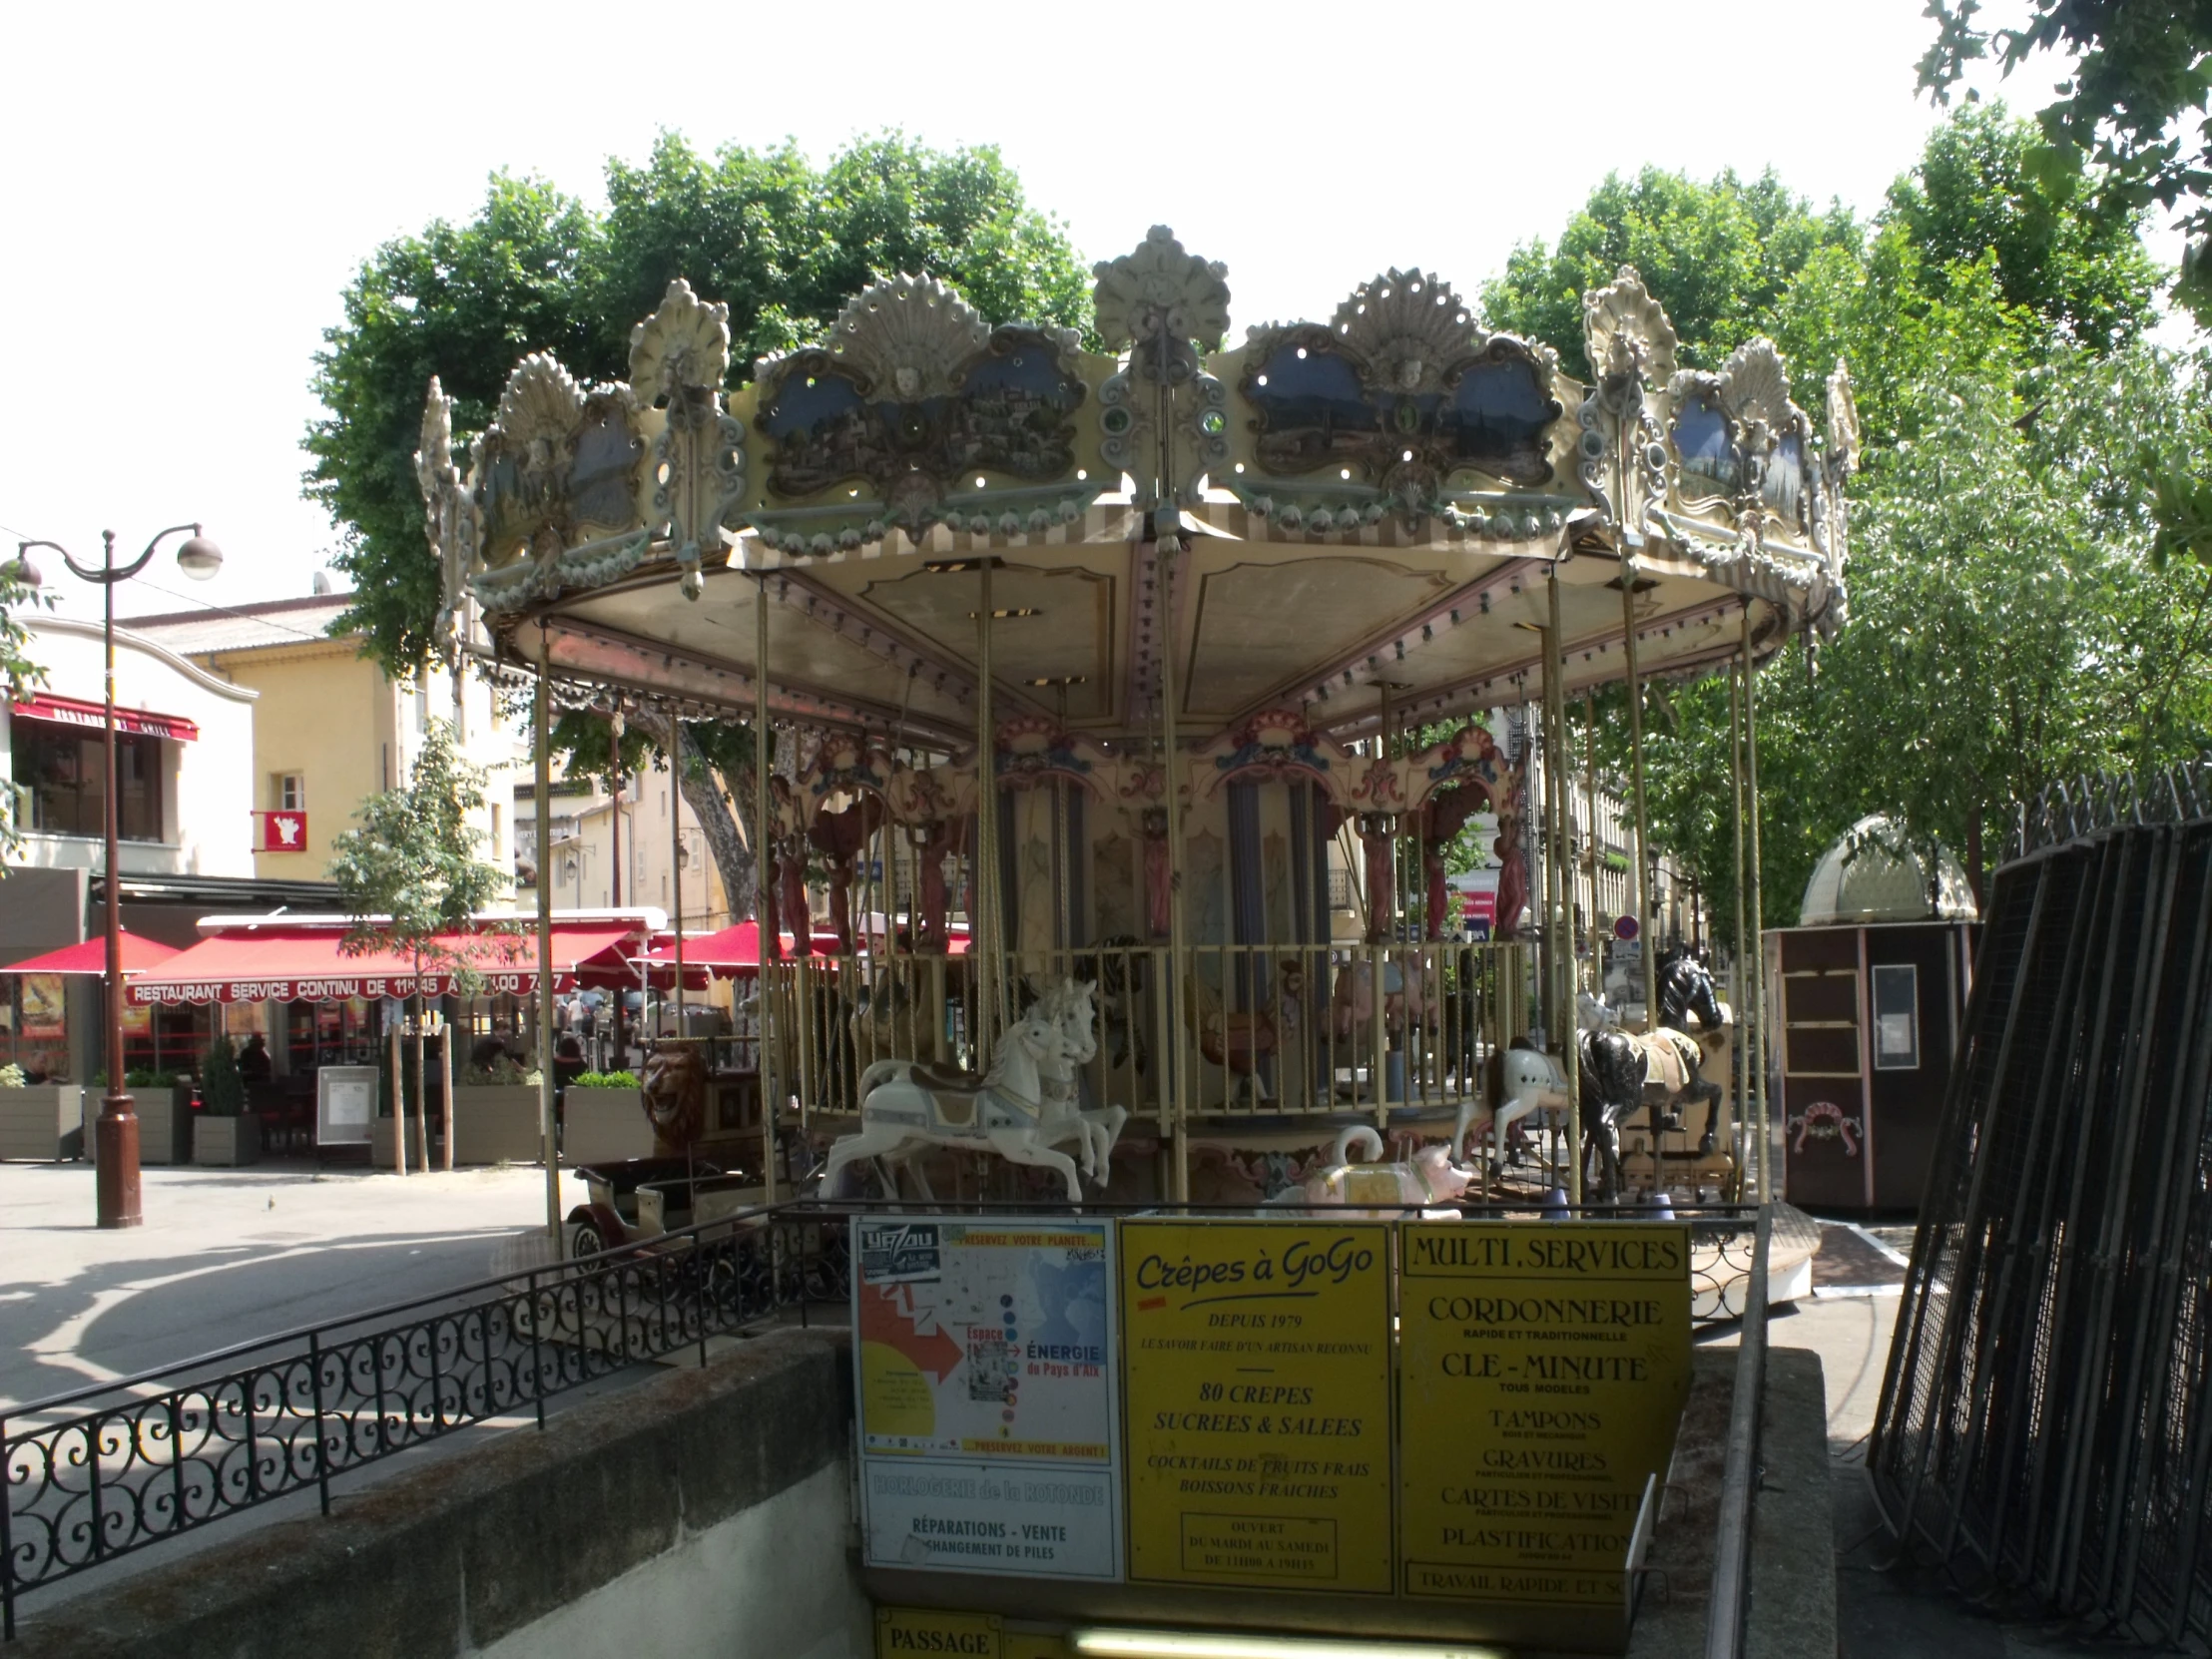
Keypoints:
(1070, 1003)
(1523, 1079)
(906, 1106)
(1430, 1177)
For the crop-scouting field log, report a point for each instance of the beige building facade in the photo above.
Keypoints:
(330, 729)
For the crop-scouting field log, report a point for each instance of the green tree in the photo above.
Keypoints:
(2143, 71)
(18, 674)
(1720, 257)
(409, 875)
(784, 243)
(2011, 621)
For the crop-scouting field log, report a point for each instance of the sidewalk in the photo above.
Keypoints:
(226, 1255)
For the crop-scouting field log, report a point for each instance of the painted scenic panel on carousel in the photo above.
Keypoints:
(1313, 411)
(1010, 412)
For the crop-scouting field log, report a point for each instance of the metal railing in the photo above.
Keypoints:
(1253, 1030)
(101, 1472)
(1730, 1607)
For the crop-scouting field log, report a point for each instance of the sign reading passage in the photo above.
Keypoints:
(1256, 1364)
(986, 1397)
(1544, 1373)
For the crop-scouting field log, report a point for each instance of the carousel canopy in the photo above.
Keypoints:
(1324, 522)
(1873, 874)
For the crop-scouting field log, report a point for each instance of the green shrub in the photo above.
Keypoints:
(11, 1077)
(222, 1089)
(501, 1073)
(605, 1080)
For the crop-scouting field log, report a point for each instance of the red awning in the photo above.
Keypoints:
(735, 953)
(305, 965)
(70, 710)
(91, 957)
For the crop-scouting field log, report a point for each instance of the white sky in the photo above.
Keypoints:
(185, 189)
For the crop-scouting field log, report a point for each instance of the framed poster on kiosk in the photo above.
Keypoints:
(344, 1105)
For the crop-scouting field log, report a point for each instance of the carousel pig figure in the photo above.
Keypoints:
(1428, 1178)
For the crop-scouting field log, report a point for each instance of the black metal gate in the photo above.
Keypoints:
(2043, 1419)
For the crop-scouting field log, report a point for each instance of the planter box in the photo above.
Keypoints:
(165, 1124)
(497, 1123)
(44, 1121)
(379, 1143)
(226, 1143)
(599, 1126)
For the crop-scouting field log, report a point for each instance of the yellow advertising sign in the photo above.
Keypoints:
(1545, 1370)
(907, 1632)
(1255, 1375)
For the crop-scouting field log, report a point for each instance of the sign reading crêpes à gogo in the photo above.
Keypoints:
(1545, 1370)
(1256, 1366)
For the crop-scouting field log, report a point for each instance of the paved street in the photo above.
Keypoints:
(226, 1255)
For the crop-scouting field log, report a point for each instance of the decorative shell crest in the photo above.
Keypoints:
(1844, 436)
(907, 336)
(1755, 387)
(1160, 289)
(1408, 327)
(540, 408)
(684, 343)
(1626, 332)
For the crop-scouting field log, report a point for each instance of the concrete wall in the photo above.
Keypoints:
(702, 1512)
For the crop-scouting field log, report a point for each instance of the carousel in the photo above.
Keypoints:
(1162, 676)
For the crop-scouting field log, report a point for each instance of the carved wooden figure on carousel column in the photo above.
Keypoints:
(1157, 872)
(1442, 819)
(933, 842)
(1375, 832)
(1512, 876)
(838, 837)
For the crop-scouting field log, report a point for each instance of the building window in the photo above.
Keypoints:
(498, 831)
(64, 775)
(289, 789)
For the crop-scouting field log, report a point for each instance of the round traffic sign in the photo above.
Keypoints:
(1626, 928)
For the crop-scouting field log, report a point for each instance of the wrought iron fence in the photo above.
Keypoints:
(101, 1472)
(2046, 1423)
(104, 1472)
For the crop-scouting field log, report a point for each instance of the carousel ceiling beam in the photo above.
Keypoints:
(866, 628)
(1374, 658)
(792, 699)
(1150, 632)
(859, 625)
(1462, 696)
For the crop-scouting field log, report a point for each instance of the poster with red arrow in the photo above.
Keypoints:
(988, 1424)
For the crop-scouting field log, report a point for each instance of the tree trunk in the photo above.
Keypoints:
(1974, 855)
(732, 851)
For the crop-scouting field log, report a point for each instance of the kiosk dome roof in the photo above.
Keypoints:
(1873, 874)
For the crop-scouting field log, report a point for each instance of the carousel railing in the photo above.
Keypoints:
(1228, 1031)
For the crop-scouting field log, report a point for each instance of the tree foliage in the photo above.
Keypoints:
(782, 242)
(2011, 619)
(408, 873)
(18, 674)
(2123, 118)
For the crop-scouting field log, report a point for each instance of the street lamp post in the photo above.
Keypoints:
(116, 1130)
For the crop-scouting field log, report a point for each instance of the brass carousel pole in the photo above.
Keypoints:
(541, 730)
(1167, 549)
(1647, 944)
(984, 942)
(1739, 1067)
(1564, 1021)
(1593, 841)
(767, 948)
(1759, 1044)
